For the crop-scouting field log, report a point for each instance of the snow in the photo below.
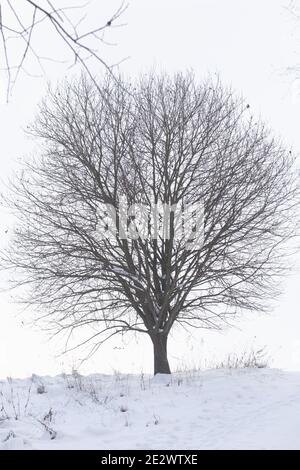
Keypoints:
(214, 409)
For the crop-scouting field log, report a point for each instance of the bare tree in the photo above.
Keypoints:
(24, 24)
(160, 139)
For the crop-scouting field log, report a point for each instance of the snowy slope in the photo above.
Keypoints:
(216, 409)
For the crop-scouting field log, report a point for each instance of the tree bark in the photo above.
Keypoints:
(161, 364)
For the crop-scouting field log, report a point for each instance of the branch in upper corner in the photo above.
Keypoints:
(20, 22)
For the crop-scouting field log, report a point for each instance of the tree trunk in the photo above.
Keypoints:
(161, 364)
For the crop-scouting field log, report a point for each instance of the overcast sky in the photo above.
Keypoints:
(250, 44)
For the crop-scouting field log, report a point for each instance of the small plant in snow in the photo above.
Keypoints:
(156, 420)
(70, 383)
(41, 389)
(117, 376)
(255, 358)
(48, 416)
(3, 413)
(105, 400)
(10, 402)
(93, 393)
(48, 429)
(75, 380)
(14, 400)
(28, 397)
(78, 380)
(143, 382)
(10, 435)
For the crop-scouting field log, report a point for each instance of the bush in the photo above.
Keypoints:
(255, 358)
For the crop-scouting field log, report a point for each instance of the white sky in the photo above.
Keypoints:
(250, 44)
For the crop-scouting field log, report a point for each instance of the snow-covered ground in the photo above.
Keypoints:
(215, 409)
